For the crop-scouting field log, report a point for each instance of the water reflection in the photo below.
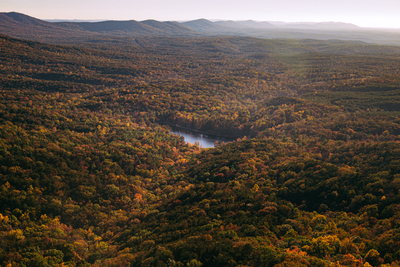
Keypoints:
(204, 140)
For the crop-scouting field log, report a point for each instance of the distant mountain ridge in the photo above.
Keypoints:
(204, 26)
(132, 27)
(255, 24)
(25, 27)
(317, 25)
(17, 22)
(220, 25)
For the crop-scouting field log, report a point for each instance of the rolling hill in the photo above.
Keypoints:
(26, 27)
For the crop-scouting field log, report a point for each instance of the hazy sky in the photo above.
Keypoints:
(368, 13)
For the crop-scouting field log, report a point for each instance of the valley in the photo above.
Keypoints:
(91, 176)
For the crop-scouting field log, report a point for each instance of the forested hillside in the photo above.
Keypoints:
(91, 176)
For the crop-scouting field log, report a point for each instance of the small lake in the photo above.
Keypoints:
(192, 137)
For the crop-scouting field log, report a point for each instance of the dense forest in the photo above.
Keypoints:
(91, 176)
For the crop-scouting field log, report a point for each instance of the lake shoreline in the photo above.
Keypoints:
(202, 132)
(204, 139)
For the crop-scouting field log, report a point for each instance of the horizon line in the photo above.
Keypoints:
(286, 23)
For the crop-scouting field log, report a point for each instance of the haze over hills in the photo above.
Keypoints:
(26, 27)
(232, 24)
(331, 25)
(256, 24)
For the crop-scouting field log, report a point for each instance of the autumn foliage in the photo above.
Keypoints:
(91, 176)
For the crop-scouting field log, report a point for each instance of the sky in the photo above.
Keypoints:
(364, 13)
